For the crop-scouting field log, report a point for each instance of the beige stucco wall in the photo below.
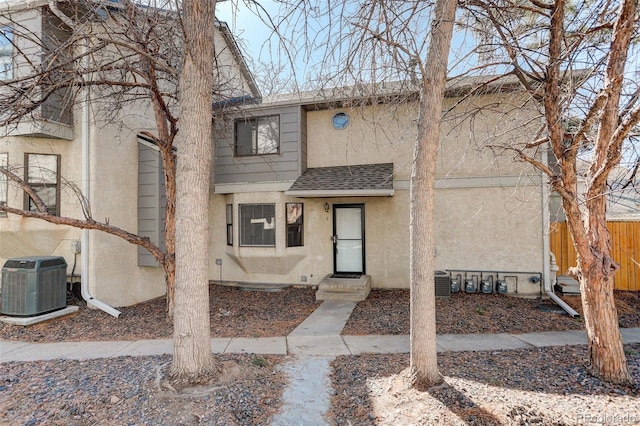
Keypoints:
(497, 229)
(376, 134)
(115, 276)
(488, 206)
(386, 248)
(270, 264)
(472, 132)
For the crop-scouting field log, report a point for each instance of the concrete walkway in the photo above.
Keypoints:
(309, 342)
(313, 345)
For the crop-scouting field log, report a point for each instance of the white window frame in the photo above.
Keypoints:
(6, 53)
(264, 139)
(41, 180)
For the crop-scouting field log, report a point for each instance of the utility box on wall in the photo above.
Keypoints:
(33, 285)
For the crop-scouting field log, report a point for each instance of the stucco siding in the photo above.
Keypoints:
(114, 275)
(375, 134)
(32, 237)
(487, 229)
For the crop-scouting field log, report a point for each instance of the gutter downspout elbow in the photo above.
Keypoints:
(84, 244)
(550, 266)
(84, 281)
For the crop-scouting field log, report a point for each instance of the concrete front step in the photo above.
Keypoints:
(347, 289)
(340, 285)
(341, 296)
(567, 285)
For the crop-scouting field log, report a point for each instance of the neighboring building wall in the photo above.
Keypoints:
(114, 275)
(234, 80)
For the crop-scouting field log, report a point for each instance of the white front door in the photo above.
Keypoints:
(348, 238)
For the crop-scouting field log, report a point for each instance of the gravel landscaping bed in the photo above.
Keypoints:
(238, 313)
(387, 312)
(127, 390)
(545, 386)
(234, 313)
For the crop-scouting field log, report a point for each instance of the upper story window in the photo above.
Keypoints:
(43, 175)
(257, 136)
(6, 53)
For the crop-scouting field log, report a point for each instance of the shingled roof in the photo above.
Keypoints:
(357, 180)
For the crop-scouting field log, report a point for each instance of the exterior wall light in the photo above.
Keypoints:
(326, 207)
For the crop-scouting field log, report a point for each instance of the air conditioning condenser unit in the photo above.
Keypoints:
(33, 285)
(442, 284)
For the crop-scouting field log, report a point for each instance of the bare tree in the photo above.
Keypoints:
(574, 58)
(405, 45)
(424, 365)
(192, 358)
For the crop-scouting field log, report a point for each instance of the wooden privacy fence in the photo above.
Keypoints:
(625, 246)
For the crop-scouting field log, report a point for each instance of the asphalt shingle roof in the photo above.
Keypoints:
(337, 178)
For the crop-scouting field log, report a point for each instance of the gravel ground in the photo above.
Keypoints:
(387, 312)
(234, 313)
(238, 313)
(545, 386)
(497, 387)
(127, 390)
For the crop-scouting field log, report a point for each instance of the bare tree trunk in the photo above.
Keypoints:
(606, 352)
(424, 363)
(169, 162)
(192, 360)
(595, 271)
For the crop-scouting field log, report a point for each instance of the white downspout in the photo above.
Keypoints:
(84, 239)
(546, 251)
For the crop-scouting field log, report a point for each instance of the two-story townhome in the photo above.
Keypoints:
(304, 186)
(317, 184)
